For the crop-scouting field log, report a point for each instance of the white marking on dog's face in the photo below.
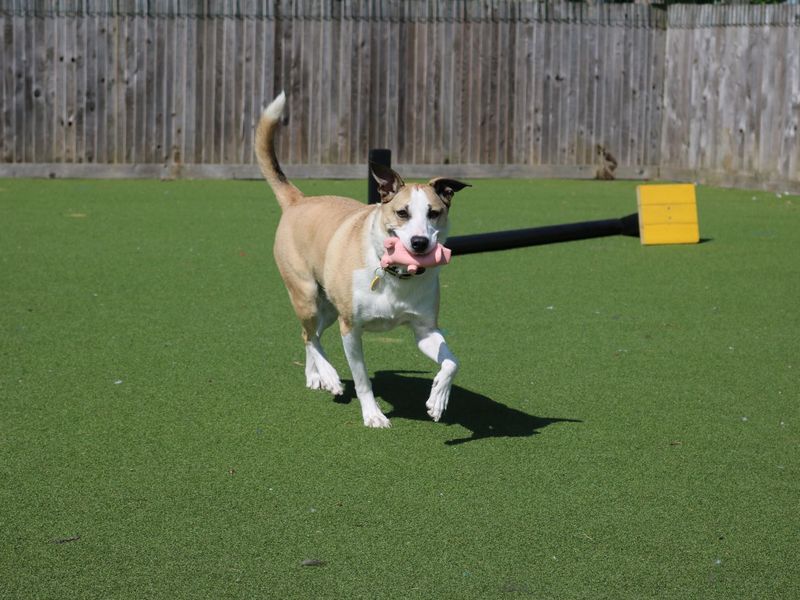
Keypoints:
(419, 219)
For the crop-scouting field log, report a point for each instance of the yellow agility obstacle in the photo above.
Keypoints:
(668, 214)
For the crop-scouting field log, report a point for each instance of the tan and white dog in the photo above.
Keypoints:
(328, 250)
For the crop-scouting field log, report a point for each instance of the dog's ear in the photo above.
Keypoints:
(389, 182)
(446, 188)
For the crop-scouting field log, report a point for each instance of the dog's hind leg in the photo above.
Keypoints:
(320, 374)
(316, 313)
(326, 313)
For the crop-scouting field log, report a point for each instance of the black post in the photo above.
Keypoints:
(535, 236)
(381, 156)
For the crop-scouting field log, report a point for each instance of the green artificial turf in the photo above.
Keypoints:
(624, 425)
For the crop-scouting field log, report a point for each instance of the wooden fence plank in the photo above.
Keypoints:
(101, 57)
(249, 106)
(465, 83)
(447, 86)
(41, 83)
(549, 103)
(390, 109)
(487, 107)
(790, 137)
(163, 72)
(475, 102)
(583, 95)
(363, 91)
(18, 87)
(145, 98)
(772, 79)
(753, 100)
(329, 109)
(435, 61)
(117, 112)
(218, 115)
(506, 82)
(572, 89)
(127, 91)
(25, 76)
(6, 104)
(417, 119)
(204, 80)
(174, 100)
(94, 89)
(558, 117)
(615, 103)
(656, 93)
(224, 133)
(537, 76)
(344, 95)
(185, 89)
(56, 93)
(85, 92)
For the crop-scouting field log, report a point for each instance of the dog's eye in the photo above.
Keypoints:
(402, 213)
(434, 214)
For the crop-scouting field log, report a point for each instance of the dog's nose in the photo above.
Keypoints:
(419, 243)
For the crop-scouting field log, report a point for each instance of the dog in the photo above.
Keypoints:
(328, 250)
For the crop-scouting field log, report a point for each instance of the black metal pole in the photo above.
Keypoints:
(535, 236)
(381, 156)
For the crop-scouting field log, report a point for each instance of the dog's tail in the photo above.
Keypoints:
(286, 193)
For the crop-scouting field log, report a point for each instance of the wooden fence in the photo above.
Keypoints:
(478, 87)
(732, 95)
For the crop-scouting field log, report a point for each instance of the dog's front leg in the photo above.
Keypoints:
(373, 417)
(433, 345)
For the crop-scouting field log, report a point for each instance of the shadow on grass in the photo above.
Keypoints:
(484, 417)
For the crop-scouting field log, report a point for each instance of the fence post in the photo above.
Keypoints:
(380, 156)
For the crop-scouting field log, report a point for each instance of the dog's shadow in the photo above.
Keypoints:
(484, 417)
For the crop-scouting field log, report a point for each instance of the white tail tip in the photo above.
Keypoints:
(275, 109)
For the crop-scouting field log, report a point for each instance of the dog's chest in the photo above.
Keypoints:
(391, 301)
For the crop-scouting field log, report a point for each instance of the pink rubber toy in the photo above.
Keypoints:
(397, 254)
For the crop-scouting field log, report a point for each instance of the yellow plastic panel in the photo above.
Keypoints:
(668, 214)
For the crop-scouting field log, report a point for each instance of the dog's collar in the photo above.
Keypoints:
(396, 272)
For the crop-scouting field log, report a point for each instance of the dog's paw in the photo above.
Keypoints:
(324, 377)
(435, 409)
(440, 395)
(377, 420)
(335, 387)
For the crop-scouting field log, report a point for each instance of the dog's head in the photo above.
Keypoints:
(415, 213)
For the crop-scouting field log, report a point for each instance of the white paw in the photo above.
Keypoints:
(329, 379)
(312, 381)
(440, 394)
(334, 386)
(324, 377)
(377, 420)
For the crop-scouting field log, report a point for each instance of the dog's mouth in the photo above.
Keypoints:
(427, 250)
